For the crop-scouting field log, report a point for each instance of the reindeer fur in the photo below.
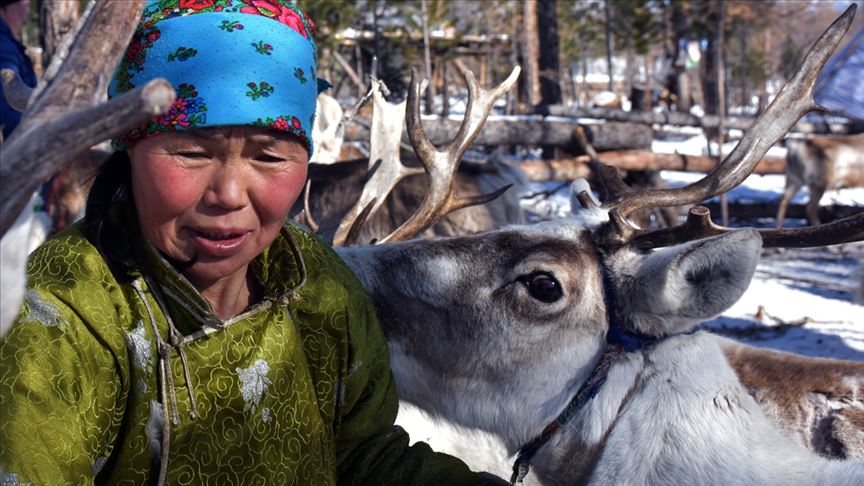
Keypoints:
(335, 188)
(488, 356)
(817, 402)
(821, 163)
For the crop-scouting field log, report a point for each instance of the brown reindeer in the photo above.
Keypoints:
(821, 162)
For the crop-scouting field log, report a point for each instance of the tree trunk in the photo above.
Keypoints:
(679, 82)
(445, 89)
(630, 61)
(531, 52)
(547, 30)
(427, 60)
(547, 23)
(56, 19)
(721, 99)
(742, 44)
(710, 63)
(584, 96)
(763, 86)
(609, 45)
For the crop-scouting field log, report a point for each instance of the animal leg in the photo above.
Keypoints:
(812, 209)
(791, 189)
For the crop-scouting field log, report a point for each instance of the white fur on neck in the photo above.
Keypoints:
(683, 418)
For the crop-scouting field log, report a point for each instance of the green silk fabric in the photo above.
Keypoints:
(297, 389)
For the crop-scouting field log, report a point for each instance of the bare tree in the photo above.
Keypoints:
(531, 52)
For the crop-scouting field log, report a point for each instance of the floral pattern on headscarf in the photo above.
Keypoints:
(286, 123)
(136, 54)
(213, 46)
(187, 111)
(279, 10)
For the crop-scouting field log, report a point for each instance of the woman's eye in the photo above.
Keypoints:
(542, 286)
(269, 158)
(193, 155)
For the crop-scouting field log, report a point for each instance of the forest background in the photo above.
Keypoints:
(659, 51)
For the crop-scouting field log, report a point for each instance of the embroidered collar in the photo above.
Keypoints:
(280, 269)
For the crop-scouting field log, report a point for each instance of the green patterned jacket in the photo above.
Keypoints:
(295, 390)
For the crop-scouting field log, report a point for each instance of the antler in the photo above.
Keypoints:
(699, 225)
(385, 163)
(793, 102)
(64, 116)
(441, 165)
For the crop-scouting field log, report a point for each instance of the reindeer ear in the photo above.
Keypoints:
(677, 287)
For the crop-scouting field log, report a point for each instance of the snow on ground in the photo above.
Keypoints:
(807, 296)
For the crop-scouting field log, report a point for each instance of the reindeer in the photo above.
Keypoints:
(820, 163)
(576, 342)
(489, 317)
(342, 191)
(337, 188)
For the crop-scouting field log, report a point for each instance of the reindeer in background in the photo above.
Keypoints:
(820, 163)
(508, 323)
(337, 194)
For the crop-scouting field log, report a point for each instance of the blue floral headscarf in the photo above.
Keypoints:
(231, 62)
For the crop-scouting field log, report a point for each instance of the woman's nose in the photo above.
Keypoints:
(227, 188)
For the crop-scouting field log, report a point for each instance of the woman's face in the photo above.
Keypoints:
(214, 198)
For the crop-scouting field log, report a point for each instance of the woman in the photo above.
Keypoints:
(183, 333)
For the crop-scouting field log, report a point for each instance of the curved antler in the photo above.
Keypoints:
(699, 225)
(65, 116)
(793, 102)
(440, 165)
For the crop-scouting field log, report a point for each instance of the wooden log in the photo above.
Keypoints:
(750, 211)
(577, 167)
(686, 119)
(531, 131)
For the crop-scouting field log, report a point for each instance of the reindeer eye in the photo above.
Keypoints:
(542, 286)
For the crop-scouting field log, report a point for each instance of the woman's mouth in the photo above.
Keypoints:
(220, 243)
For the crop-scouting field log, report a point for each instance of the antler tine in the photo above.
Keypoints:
(844, 230)
(354, 231)
(606, 174)
(480, 102)
(699, 225)
(793, 101)
(387, 169)
(65, 108)
(441, 165)
(17, 93)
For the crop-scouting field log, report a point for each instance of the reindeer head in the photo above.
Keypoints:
(517, 318)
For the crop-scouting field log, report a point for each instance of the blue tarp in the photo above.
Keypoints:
(840, 87)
